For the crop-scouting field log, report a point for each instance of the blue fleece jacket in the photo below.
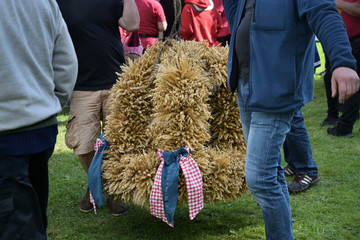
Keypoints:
(282, 50)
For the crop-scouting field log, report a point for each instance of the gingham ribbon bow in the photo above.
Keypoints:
(194, 187)
(98, 144)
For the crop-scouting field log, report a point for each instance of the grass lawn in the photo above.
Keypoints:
(329, 210)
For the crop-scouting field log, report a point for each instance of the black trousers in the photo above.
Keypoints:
(350, 108)
(24, 189)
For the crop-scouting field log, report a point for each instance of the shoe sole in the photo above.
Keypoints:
(349, 135)
(323, 124)
(86, 210)
(312, 183)
(119, 214)
(327, 124)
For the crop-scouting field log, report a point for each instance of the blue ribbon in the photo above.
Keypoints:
(169, 181)
(94, 173)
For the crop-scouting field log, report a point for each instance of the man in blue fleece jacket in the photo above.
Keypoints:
(271, 65)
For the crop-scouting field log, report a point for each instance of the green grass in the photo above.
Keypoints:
(330, 210)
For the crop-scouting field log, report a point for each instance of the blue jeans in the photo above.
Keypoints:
(264, 135)
(297, 147)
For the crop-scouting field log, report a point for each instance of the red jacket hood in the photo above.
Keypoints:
(200, 3)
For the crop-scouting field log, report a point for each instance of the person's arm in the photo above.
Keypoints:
(325, 22)
(161, 19)
(130, 19)
(65, 65)
(345, 81)
(186, 29)
(162, 26)
(351, 8)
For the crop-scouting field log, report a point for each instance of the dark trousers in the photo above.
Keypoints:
(224, 40)
(350, 109)
(297, 147)
(24, 189)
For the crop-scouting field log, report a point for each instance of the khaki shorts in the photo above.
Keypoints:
(88, 109)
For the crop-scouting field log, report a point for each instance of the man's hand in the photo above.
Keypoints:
(344, 82)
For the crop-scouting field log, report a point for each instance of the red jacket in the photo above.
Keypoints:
(224, 28)
(200, 21)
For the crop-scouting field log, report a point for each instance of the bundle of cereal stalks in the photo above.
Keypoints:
(174, 95)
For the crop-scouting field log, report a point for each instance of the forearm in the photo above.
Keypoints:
(351, 8)
(130, 20)
(162, 26)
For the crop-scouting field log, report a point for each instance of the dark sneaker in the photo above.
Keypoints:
(331, 121)
(288, 172)
(302, 182)
(336, 131)
(117, 208)
(85, 204)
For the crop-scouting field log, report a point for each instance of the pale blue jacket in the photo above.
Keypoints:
(282, 50)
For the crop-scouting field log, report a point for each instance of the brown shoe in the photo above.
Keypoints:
(117, 208)
(85, 204)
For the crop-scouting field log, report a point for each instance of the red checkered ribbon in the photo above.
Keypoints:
(194, 184)
(194, 187)
(93, 202)
(98, 144)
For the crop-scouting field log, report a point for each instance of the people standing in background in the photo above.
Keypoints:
(350, 13)
(200, 21)
(224, 34)
(266, 35)
(94, 29)
(152, 21)
(38, 69)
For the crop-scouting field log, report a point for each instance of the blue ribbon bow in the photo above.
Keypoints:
(169, 181)
(94, 173)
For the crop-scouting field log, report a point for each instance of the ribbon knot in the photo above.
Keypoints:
(94, 172)
(163, 196)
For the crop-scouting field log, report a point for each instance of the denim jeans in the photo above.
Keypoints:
(264, 135)
(297, 147)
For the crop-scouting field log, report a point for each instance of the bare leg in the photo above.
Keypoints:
(86, 159)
